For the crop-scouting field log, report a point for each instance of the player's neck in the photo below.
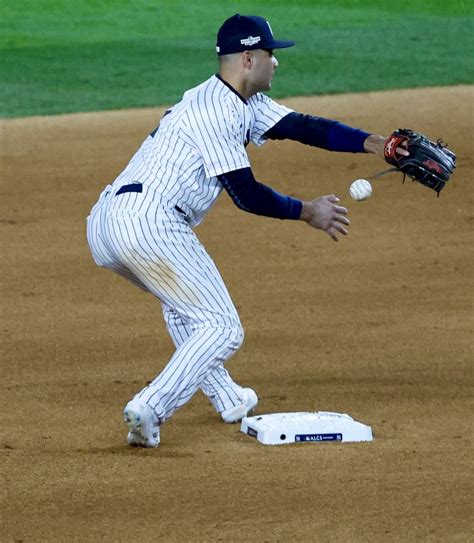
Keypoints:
(238, 84)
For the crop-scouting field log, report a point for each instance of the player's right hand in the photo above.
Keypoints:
(324, 214)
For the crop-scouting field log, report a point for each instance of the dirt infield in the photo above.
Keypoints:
(378, 325)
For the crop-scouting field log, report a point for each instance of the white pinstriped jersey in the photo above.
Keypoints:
(143, 237)
(201, 137)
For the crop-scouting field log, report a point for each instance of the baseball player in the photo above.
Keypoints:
(142, 225)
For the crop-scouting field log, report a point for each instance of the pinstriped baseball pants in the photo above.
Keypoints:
(150, 243)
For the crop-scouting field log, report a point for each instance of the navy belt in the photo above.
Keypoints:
(138, 187)
(133, 187)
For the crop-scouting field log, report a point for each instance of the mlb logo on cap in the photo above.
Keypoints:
(246, 32)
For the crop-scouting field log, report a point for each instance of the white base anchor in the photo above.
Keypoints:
(305, 427)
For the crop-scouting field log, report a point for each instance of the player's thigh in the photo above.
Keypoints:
(168, 258)
(101, 247)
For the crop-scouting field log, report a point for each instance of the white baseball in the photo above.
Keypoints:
(360, 189)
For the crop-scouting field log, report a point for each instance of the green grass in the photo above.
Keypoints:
(61, 56)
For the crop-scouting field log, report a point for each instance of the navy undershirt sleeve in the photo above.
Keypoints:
(319, 132)
(254, 197)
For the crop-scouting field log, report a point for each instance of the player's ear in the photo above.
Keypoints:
(247, 59)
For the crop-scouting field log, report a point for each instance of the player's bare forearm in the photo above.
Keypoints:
(324, 214)
(375, 144)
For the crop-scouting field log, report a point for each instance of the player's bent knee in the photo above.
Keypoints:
(227, 340)
(234, 339)
(237, 337)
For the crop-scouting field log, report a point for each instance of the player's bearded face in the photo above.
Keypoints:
(264, 64)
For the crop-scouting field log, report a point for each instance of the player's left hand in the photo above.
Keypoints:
(428, 162)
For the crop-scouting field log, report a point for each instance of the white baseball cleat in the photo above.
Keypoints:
(144, 430)
(238, 412)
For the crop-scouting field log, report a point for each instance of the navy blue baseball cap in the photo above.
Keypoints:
(246, 32)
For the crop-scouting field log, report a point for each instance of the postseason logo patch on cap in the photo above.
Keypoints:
(251, 40)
